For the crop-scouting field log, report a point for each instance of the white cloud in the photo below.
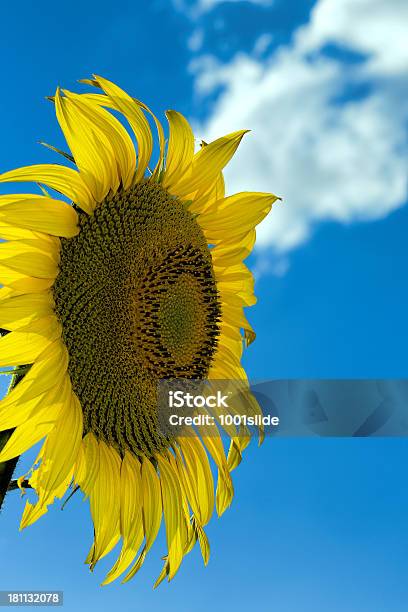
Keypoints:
(331, 156)
(195, 42)
(196, 9)
(262, 43)
(208, 5)
(373, 27)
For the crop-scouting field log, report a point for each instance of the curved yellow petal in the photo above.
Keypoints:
(239, 272)
(91, 150)
(60, 450)
(17, 415)
(236, 317)
(21, 283)
(180, 149)
(225, 490)
(27, 259)
(173, 516)
(64, 180)
(32, 512)
(202, 539)
(235, 215)
(24, 345)
(205, 197)
(112, 132)
(131, 523)
(152, 512)
(10, 232)
(40, 214)
(39, 423)
(236, 286)
(105, 508)
(46, 242)
(121, 101)
(17, 311)
(87, 465)
(52, 478)
(104, 100)
(228, 253)
(45, 373)
(207, 164)
(160, 133)
(222, 370)
(6, 292)
(198, 474)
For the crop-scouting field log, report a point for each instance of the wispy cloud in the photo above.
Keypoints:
(195, 10)
(328, 116)
(195, 41)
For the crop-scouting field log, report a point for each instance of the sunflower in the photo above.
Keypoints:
(115, 277)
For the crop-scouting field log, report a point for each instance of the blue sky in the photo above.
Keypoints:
(315, 524)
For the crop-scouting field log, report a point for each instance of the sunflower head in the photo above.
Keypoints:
(117, 278)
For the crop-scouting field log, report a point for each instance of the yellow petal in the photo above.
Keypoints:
(122, 102)
(104, 100)
(39, 424)
(237, 273)
(180, 150)
(40, 214)
(23, 346)
(105, 508)
(234, 315)
(131, 524)
(112, 132)
(62, 179)
(152, 512)
(160, 134)
(226, 371)
(92, 154)
(44, 374)
(172, 510)
(12, 232)
(198, 474)
(207, 164)
(235, 215)
(18, 311)
(204, 198)
(6, 292)
(213, 442)
(228, 253)
(208, 193)
(87, 465)
(28, 259)
(21, 283)
(10, 418)
(32, 512)
(9, 232)
(60, 452)
(203, 541)
(47, 373)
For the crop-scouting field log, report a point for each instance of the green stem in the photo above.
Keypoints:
(7, 467)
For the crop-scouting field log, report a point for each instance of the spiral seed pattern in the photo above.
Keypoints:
(137, 299)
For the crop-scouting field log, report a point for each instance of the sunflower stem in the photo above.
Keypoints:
(14, 485)
(7, 467)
